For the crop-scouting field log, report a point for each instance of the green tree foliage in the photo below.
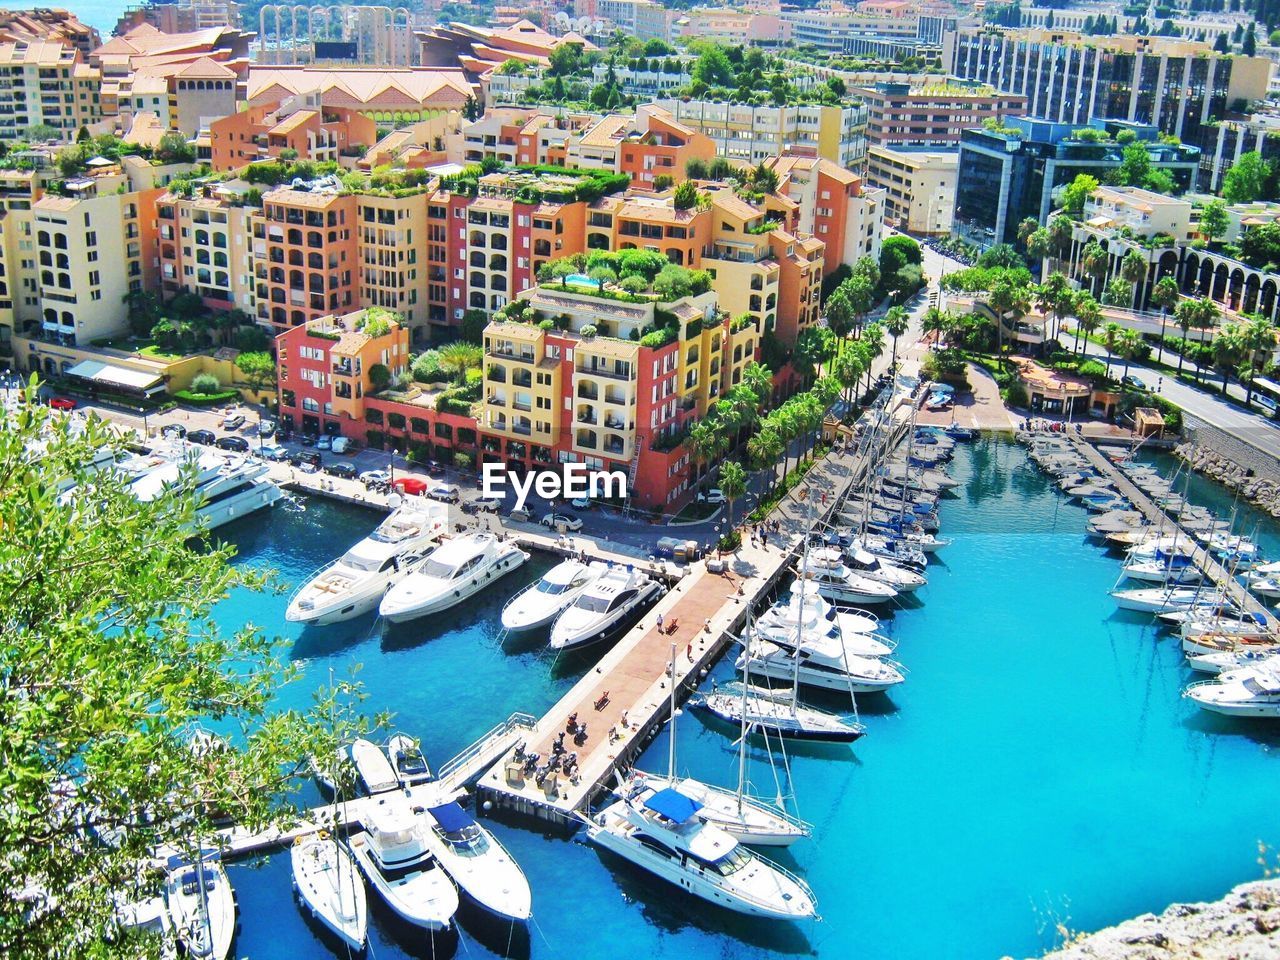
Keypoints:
(205, 383)
(733, 484)
(713, 67)
(380, 376)
(472, 328)
(457, 358)
(1246, 181)
(1260, 246)
(1077, 191)
(111, 660)
(1001, 256)
(259, 370)
(685, 196)
(1213, 220)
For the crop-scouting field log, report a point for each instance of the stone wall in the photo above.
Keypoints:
(1233, 463)
(1243, 925)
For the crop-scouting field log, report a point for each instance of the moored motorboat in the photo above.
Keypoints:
(407, 760)
(449, 574)
(373, 767)
(824, 664)
(538, 604)
(604, 607)
(1226, 660)
(1250, 692)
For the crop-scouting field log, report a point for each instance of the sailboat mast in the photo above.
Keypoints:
(671, 746)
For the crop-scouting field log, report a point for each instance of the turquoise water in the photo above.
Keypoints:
(1038, 766)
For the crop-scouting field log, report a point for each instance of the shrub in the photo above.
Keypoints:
(634, 284)
(206, 399)
(730, 541)
(379, 376)
(1016, 395)
(426, 368)
(588, 331)
(462, 460)
(205, 383)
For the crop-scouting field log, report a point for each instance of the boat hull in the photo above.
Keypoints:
(398, 894)
(615, 626)
(450, 598)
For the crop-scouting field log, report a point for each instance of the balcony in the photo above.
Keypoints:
(617, 372)
(346, 369)
(588, 391)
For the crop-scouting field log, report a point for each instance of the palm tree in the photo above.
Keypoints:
(873, 346)
(1227, 351)
(1095, 261)
(764, 447)
(936, 321)
(1055, 296)
(1133, 270)
(1007, 297)
(733, 484)
(1200, 313)
(458, 357)
(1060, 232)
(849, 370)
(1258, 338)
(1110, 337)
(1165, 295)
(1088, 316)
(1129, 342)
(896, 322)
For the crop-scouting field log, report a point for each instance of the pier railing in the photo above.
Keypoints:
(471, 762)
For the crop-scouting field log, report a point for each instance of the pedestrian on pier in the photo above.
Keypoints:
(764, 540)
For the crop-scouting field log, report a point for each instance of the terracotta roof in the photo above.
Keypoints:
(607, 132)
(362, 87)
(206, 68)
(734, 205)
(293, 121)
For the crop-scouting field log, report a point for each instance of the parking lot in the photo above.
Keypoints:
(600, 521)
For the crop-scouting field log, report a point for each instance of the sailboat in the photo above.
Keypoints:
(743, 817)
(329, 886)
(202, 905)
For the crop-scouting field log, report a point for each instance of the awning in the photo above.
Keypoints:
(451, 817)
(673, 805)
(110, 374)
(1267, 384)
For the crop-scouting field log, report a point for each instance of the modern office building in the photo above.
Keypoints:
(1005, 177)
(932, 114)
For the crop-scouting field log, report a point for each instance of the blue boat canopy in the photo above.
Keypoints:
(673, 805)
(451, 817)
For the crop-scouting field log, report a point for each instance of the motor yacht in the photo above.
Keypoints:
(660, 831)
(866, 564)
(1268, 587)
(1251, 692)
(538, 604)
(374, 769)
(604, 607)
(407, 760)
(225, 486)
(826, 569)
(449, 574)
(329, 887)
(201, 904)
(777, 713)
(353, 585)
(479, 865)
(393, 854)
(821, 662)
(815, 622)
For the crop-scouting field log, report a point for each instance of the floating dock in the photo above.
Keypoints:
(1156, 515)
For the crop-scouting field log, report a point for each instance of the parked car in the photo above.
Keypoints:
(309, 467)
(340, 444)
(521, 514)
(275, 452)
(233, 421)
(482, 505)
(412, 486)
(370, 477)
(445, 492)
(324, 442)
(342, 468)
(581, 503)
(434, 468)
(567, 520)
(1132, 381)
(238, 444)
(205, 437)
(304, 458)
(62, 403)
(714, 496)
(309, 439)
(266, 428)
(174, 431)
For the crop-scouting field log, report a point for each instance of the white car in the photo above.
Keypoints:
(275, 452)
(233, 421)
(581, 503)
(567, 520)
(324, 442)
(374, 476)
(714, 496)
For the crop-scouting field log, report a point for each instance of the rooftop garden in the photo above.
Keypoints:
(807, 53)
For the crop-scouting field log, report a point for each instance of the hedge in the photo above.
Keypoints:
(206, 399)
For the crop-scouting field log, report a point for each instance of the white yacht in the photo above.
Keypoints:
(777, 712)
(449, 574)
(604, 607)
(817, 623)
(329, 886)
(868, 565)
(226, 486)
(392, 853)
(474, 859)
(149, 916)
(1227, 660)
(1191, 622)
(1268, 587)
(353, 584)
(407, 760)
(744, 818)
(835, 581)
(1161, 599)
(202, 906)
(373, 767)
(822, 663)
(1174, 569)
(538, 604)
(1251, 692)
(1200, 643)
(660, 831)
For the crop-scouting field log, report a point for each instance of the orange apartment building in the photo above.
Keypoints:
(304, 251)
(832, 204)
(313, 132)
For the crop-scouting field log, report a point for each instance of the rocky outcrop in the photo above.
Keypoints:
(1243, 925)
(1263, 492)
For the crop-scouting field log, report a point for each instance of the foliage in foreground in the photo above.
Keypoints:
(111, 660)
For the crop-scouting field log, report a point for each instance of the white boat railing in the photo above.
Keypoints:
(310, 580)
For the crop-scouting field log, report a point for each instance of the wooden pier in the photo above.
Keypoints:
(625, 698)
(1157, 516)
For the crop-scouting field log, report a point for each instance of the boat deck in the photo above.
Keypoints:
(1214, 571)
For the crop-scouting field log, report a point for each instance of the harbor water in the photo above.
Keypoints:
(1037, 771)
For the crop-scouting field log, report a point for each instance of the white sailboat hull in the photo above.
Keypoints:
(329, 886)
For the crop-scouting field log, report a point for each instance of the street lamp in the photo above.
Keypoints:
(146, 432)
